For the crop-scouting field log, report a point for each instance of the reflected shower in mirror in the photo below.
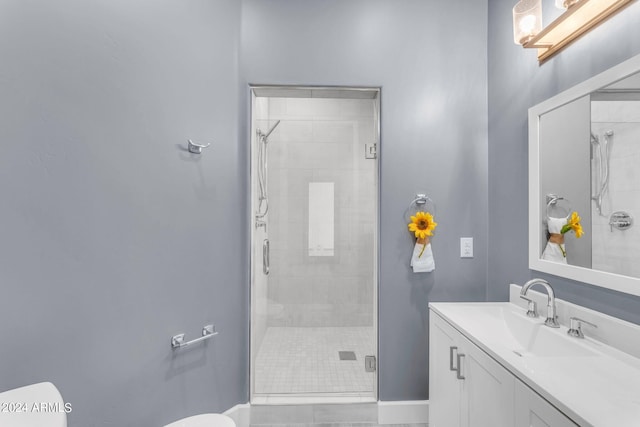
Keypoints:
(615, 180)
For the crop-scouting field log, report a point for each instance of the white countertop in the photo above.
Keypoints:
(599, 387)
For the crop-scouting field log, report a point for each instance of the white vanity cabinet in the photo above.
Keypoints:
(533, 411)
(468, 388)
(445, 389)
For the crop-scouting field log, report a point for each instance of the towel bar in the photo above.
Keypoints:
(553, 202)
(421, 202)
(177, 341)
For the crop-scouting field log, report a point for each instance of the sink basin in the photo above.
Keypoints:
(507, 326)
(536, 339)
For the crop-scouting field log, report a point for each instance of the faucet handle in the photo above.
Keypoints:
(576, 330)
(532, 307)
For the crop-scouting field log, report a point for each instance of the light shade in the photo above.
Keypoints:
(527, 20)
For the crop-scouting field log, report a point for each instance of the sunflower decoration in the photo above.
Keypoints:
(573, 224)
(422, 225)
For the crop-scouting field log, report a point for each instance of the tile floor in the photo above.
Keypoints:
(306, 360)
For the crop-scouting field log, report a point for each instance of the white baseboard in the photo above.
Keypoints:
(240, 414)
(403, 412)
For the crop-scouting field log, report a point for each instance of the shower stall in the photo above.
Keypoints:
(314, 233)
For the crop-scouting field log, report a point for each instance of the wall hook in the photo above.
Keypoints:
(196, 148)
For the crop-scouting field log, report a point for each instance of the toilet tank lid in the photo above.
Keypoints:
(204, 420)
(34, 405)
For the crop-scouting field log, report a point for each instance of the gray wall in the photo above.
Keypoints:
(112, 237)
(517, 82)
(97, 101)
(434, 139)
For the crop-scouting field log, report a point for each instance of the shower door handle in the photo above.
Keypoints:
(265, 256)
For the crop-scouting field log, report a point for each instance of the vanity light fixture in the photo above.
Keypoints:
(580, 16)
(527, 20)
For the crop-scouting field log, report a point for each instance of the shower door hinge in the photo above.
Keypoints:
(369, 363)
(370, 150)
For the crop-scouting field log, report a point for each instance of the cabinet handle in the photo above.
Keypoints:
(460, 376)
(451, 350)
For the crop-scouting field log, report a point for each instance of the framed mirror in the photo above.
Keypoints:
(584, 157)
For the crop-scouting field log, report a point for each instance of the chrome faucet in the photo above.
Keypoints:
(551, 320)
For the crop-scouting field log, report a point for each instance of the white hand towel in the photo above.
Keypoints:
(422, 263)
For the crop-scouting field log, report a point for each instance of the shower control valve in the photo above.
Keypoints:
(620, 220)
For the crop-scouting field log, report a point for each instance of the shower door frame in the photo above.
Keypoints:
(327, 397)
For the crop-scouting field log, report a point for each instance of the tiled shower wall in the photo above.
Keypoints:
(321, 140)
(615, 250)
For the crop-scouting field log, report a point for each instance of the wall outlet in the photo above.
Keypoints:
(466, 247)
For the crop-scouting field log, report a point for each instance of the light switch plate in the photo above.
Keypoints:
(466, 247)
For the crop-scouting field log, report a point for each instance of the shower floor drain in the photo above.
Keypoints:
(347, 355)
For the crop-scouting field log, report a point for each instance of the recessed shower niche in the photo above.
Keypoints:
(314, 232)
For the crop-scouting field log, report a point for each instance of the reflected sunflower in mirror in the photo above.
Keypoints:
(573, 224)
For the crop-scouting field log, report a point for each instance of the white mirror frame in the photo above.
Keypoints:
(617, 282)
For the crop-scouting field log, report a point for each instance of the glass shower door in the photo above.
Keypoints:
(314, 326)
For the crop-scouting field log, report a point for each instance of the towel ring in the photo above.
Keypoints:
(421, 203)
(553, 202)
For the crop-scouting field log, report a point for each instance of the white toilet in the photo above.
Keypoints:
(204, 420)
(35, 405)
(41, 404)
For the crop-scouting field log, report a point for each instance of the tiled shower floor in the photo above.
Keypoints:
(306, 360)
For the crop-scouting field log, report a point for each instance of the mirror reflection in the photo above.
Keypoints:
(615, 177)
(589, 152)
